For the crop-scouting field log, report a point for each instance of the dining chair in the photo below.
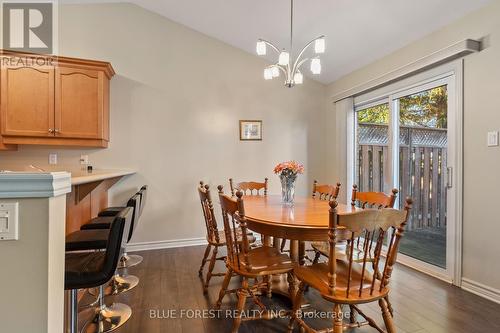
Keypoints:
(249, 263)
(216, 238)
(251, 187)
(325, 191)
(347, 282)
(362, 200)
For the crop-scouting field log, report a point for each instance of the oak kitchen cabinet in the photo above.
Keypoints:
(64, 101)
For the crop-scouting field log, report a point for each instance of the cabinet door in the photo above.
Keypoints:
(79, 103)
(27, 101)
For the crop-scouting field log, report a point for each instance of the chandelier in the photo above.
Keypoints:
(291, 68)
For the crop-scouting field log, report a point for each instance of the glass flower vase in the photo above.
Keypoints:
(287, 189)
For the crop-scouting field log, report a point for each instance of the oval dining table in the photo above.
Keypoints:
(306, 220)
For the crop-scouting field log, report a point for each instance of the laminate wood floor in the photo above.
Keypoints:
(170, 287)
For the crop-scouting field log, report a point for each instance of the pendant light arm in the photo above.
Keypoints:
(296, 68)
(278, 66)
(271, 45)
(295, 65)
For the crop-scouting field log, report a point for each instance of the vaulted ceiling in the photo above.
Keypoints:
(358, 32)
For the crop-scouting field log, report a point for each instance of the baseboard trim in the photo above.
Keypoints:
(482, 290)
(167, 244)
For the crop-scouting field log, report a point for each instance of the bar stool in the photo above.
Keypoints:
(94, 269)
(102, 222)
(96, 239)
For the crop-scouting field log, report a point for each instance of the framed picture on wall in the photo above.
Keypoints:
(250, 130)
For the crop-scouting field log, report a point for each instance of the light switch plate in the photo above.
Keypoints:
(493, 139)
(52, 158)
(9, 221)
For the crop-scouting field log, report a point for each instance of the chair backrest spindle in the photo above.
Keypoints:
(373, 225)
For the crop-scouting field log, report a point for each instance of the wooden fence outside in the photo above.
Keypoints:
(422, 171)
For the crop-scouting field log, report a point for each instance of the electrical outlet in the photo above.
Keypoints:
(52, 158)
(84, 159)
(493, 139)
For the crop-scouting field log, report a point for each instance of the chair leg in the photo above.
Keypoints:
(338, 326)
(291, 284)
(268, 281)
(203, 262)
(283, 244)
(225, 283)
(352, 314)
(210, 269)
(388, 321)
(317, 254)
(389, 306)
(242, 297)
(296, 306)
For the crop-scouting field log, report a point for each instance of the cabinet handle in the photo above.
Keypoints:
(56, 131)
(51, 130)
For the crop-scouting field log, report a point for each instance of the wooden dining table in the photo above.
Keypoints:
(306, 220)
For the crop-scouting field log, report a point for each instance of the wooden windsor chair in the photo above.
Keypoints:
(363, 200)
(216, 238)
(348, 281)
(251, 188)
(249, 263)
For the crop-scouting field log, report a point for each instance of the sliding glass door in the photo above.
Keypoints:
(423, 146)
(406, 140)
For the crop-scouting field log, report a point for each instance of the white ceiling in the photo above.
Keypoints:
(358, 32)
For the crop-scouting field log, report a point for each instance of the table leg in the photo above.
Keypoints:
(277, 243)
(294, 250)
(266, 240)
(302, 253)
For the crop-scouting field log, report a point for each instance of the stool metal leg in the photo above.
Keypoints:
(73, 311)
(107, 318)
(120, 283)
(129, 260)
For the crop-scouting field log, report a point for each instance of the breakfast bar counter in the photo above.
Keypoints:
(89, 195)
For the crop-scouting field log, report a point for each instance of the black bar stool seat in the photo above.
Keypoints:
(82, 240)
(110, 211)
(100, 222)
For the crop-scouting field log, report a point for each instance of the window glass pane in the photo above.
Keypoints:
(422, 173)
(372, 147)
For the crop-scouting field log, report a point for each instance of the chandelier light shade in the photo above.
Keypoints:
(286, 63)
(261, 48)
(298, 78)
(316, 66)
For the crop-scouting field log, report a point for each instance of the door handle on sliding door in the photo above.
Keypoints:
(449, 177)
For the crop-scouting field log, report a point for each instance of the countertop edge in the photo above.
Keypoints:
(100, 175)
(34, 185)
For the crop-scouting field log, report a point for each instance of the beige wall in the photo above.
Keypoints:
(175, 105)
(32, 273)
(481, 114)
